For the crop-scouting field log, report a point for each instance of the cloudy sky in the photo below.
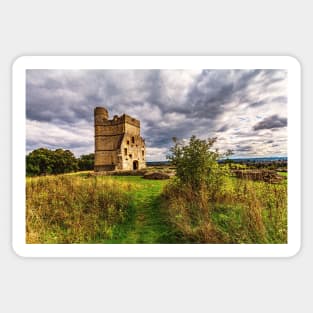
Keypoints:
(245, 109)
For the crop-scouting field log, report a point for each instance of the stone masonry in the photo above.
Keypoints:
(118, 144)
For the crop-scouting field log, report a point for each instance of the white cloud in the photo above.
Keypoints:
(78, 137)
(156, 154)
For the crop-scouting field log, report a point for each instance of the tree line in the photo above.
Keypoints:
(44, 161)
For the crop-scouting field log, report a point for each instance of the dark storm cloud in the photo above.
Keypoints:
(168, 103)
(223, 129)
(269, 101)
(71, 97)
(240, 149)
(215, 91)
(244, 134)
(258, 103)
(64, 100)
(160, 135)
(280, 99)
(271, 122)
(273, 79)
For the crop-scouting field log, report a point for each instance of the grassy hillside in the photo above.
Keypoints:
(129, 209)
(80, 209)
(242, 211)
(75, 209)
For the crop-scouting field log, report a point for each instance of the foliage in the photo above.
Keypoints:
(196, 163)
(44, 161)
(188, 212)
(64, 162)
(86, 162)
(199, 178)
(243, 211)
(206, 205)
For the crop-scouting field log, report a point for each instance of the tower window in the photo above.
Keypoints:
(128, 142)
(143, 153)
(133, 139)
(125, 151)
(130, 156)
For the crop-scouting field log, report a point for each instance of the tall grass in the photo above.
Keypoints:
(94, 209)
(73, 209)
(189, 213)
(241, 211)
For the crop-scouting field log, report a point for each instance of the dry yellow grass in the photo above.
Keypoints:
(74, 209)
(241, 211)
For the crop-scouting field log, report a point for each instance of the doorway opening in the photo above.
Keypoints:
(135, 165)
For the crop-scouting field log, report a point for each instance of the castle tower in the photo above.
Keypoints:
(118, 144)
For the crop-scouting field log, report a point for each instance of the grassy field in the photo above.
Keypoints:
(81, 208)
(148, 224)
(76, 208)
(284, 174)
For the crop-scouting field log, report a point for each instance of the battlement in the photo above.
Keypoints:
(102, 118)
(130, 120)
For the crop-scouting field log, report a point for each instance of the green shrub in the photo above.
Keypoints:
(199, 179)
(206, 205)
(196, 163)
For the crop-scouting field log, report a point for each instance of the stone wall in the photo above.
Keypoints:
(118, 144)
(133, 149)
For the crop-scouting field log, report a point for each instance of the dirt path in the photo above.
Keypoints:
(149, 224)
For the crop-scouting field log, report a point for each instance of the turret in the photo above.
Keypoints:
(101, 114)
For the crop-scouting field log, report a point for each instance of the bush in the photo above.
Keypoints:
(205, 205)
(199, 180)
(196, 163)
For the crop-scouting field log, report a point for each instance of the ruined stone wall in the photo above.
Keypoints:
(112, 137)
(133, 150)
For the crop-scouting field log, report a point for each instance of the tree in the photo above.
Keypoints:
(196, 163)
(86, 162)
(64, 162)
(39, 161)
(43, 161)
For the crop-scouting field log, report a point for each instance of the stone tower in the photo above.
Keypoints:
(118, 144)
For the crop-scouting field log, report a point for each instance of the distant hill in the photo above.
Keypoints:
(158, 163)
(257, 160)
(236, 160)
